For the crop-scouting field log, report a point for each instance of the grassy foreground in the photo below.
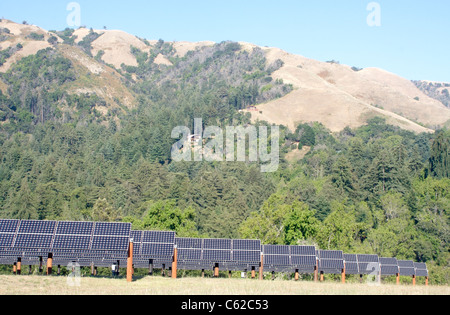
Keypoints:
(39, 285)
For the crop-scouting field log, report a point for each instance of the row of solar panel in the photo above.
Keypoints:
(108, 242)
(55, 236)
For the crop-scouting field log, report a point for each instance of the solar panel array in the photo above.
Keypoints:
(281, 258)
(204, 254)
(106, 243)
(331, 261)
(66, 241)
(152, 248)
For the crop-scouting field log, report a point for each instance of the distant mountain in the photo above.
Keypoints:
(288, 89)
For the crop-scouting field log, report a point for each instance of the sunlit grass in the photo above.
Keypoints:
(156, 285)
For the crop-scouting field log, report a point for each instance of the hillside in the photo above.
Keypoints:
(335, 95)
(338, 96)
(437, 90)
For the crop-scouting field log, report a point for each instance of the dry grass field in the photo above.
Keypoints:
(40, 285)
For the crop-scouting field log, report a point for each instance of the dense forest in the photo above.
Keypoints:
(374, 189)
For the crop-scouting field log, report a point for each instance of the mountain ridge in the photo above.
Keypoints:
(327, 92)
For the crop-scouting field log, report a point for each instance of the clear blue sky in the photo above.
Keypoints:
(412, 41)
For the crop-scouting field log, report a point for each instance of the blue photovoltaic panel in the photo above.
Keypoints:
(74, 228)
(8, 226)
(276, 260)
(248, 245)
(136, 236)
(350, 258)
(303, 260)
(110, 243)
(189, 243)
(37, 227)
(328, 264)
(6, 240)
(366, 268)
(216, 255)
(222, 244)
(407, 271)
(189, 254)
(351, 268)
(276, 250)
(422, 266)
(331, 254)
(368, 258)
(112, 229)
(71, 242)
(246, 256)
(406, 264)
(388, 261)
(158, 237)
(421, 273)
(33, 241)
(389, 270)
(303, 250)
(157, 250)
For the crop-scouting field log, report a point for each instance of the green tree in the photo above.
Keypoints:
(164, 215)
(104, 212)
(300, 224)
(440, 155)
(339, 230)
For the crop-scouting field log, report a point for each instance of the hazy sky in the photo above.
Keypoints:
(412, 40)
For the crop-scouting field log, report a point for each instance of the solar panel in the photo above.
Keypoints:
(110, 243)
(350, 258)
(71, 242)
(276, 250)
(406, 264)
(407, 271)
(351, 268)
(247, 245)
(6, 240)
(422, 266)
(189, 254)
(421, 273)
(331, 254)
(389, 270)
(277, 260)
(153, 244)
(216, 255)
(217, 244)
(246, 256)
(192, 243)
(74, 228)
(303, 260)
(158, 237)
(331, 264)
(366, 268)
(421, 269)
(33, 241)
(37, 227)
(153, 250)
(112, 229)
(388, 261)
(368, 258)
(303, 250)
(8, 226)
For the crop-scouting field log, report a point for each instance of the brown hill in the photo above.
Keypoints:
(339, 96)
(333, 94)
